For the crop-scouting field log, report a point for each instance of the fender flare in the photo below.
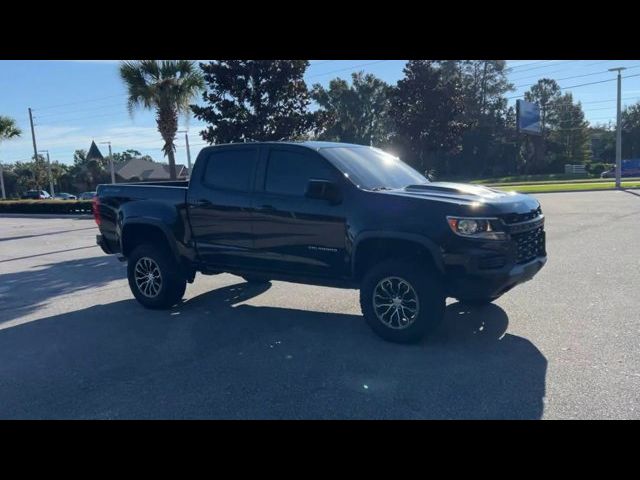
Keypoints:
(432, 248)
(171, 241)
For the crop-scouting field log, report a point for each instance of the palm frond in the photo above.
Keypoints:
(8, 128)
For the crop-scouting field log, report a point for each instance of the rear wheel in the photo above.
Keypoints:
(154, 277)
(402, 302)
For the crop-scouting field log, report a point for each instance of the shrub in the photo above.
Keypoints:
(597, 168)
(70, 207)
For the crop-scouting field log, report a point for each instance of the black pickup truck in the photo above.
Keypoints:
(329, 214)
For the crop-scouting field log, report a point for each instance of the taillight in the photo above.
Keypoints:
(95, 206)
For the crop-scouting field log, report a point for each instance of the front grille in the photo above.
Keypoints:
(521, 217)
(530, 245)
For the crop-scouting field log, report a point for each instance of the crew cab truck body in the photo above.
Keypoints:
(327, 214)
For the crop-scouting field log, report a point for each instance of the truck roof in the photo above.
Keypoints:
(314, 145)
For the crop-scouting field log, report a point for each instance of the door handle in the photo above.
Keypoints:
(267, 208)
(202, 202)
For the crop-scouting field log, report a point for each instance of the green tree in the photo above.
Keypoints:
(356, 113)
(125, 156)
(603, 142)
(545, 93)
(483, 84)
(8, 130)
(166, 86)
(427, 109)
(88, 173)
(631, 131)
(569, 133)
(31, 175)
(254, 100)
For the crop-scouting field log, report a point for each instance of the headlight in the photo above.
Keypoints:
(483, 228)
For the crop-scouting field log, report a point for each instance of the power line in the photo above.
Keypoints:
(576, 86)
(578, 76)
(546, 66)
(79, 102)
(348, 68)
(93, 108)
(320, 63)
(527, 64)
(556, 71)
(58, 122)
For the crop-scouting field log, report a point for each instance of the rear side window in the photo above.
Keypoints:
(231, 169)
(289, 172)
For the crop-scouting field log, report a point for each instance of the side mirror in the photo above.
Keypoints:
(324, 190)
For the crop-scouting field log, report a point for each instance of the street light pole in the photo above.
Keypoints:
(49, 172)
(113, 172)
(618, 127)
(4, 197)
(186, 141)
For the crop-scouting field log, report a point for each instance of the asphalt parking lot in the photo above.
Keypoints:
(75, 344)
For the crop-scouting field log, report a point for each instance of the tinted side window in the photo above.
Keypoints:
(231, 169)
(288, 172)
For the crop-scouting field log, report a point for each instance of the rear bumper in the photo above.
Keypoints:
(102, 243)
(492, 284)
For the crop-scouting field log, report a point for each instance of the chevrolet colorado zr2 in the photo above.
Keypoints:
(330, 214)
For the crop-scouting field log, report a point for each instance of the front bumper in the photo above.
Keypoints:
(488, 284)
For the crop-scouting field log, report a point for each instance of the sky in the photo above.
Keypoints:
(75, 102)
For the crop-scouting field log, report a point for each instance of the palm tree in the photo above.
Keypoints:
(167, 86)
(8, 129)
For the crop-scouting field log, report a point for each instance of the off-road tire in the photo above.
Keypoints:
(173, 283)
(426, 285)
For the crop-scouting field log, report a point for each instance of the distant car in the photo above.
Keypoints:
(36, 195)
(86, 196)
(630, 168)
(65, 196)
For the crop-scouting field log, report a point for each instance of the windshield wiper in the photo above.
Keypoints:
(376, 189)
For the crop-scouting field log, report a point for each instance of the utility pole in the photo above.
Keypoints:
(113, 172)
(186, 141)
(2, 182)
(49, 172)
(618, 127)
(35, 149)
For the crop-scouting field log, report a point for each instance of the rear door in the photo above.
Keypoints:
(219, 202)
(292, 233)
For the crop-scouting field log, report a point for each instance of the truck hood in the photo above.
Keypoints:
(474, 196)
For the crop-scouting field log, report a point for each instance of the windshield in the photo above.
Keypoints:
(371, 168)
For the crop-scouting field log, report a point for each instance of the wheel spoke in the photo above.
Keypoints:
(148, 277)
(395, 302)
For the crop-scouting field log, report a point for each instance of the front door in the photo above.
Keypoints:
(292, 233)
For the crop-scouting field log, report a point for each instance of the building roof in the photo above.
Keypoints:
(146, 170)
(94, 152)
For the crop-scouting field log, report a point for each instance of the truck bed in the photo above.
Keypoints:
(164, 202)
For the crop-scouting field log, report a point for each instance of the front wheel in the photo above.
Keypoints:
(402, 302)
(154, 277)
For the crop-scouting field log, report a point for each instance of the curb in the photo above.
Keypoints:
(77, 216)
(582, 191)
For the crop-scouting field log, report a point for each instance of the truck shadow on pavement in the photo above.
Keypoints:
(213, 358)
(25, 291)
